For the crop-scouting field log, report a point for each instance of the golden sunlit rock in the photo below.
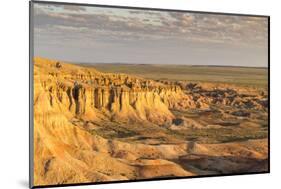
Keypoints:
(91, 126)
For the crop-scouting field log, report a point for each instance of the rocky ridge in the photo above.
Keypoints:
(84, 91)
(71, 101)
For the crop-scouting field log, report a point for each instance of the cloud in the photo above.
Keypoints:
(146, 12)
(223, 28)
(63, 25)
(74, 8)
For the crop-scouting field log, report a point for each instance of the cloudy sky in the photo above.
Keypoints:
(110, 35)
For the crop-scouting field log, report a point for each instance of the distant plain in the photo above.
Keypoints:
(245, 76)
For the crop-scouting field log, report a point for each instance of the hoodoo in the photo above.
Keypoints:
(130, 98)
(91, 126)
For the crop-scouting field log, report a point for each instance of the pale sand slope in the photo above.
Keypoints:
(68, 153)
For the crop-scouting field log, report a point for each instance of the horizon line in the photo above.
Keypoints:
(138, 63)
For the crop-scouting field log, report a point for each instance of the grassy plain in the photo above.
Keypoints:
(245, 76)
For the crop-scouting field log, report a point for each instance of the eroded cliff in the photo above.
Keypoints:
(91, 126)
(83, 91)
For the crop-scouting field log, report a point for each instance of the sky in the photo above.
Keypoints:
(111, 35)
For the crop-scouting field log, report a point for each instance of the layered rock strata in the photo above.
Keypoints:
(83, 91)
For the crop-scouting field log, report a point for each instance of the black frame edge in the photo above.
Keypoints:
(150, 180)
(31, 115)
(268, 83)
(147, 8)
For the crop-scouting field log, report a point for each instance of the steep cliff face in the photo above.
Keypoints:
(83, 91)
(91, 127)
(67, 153)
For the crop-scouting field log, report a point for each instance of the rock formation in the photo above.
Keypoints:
(82, 118)
(83, 91)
